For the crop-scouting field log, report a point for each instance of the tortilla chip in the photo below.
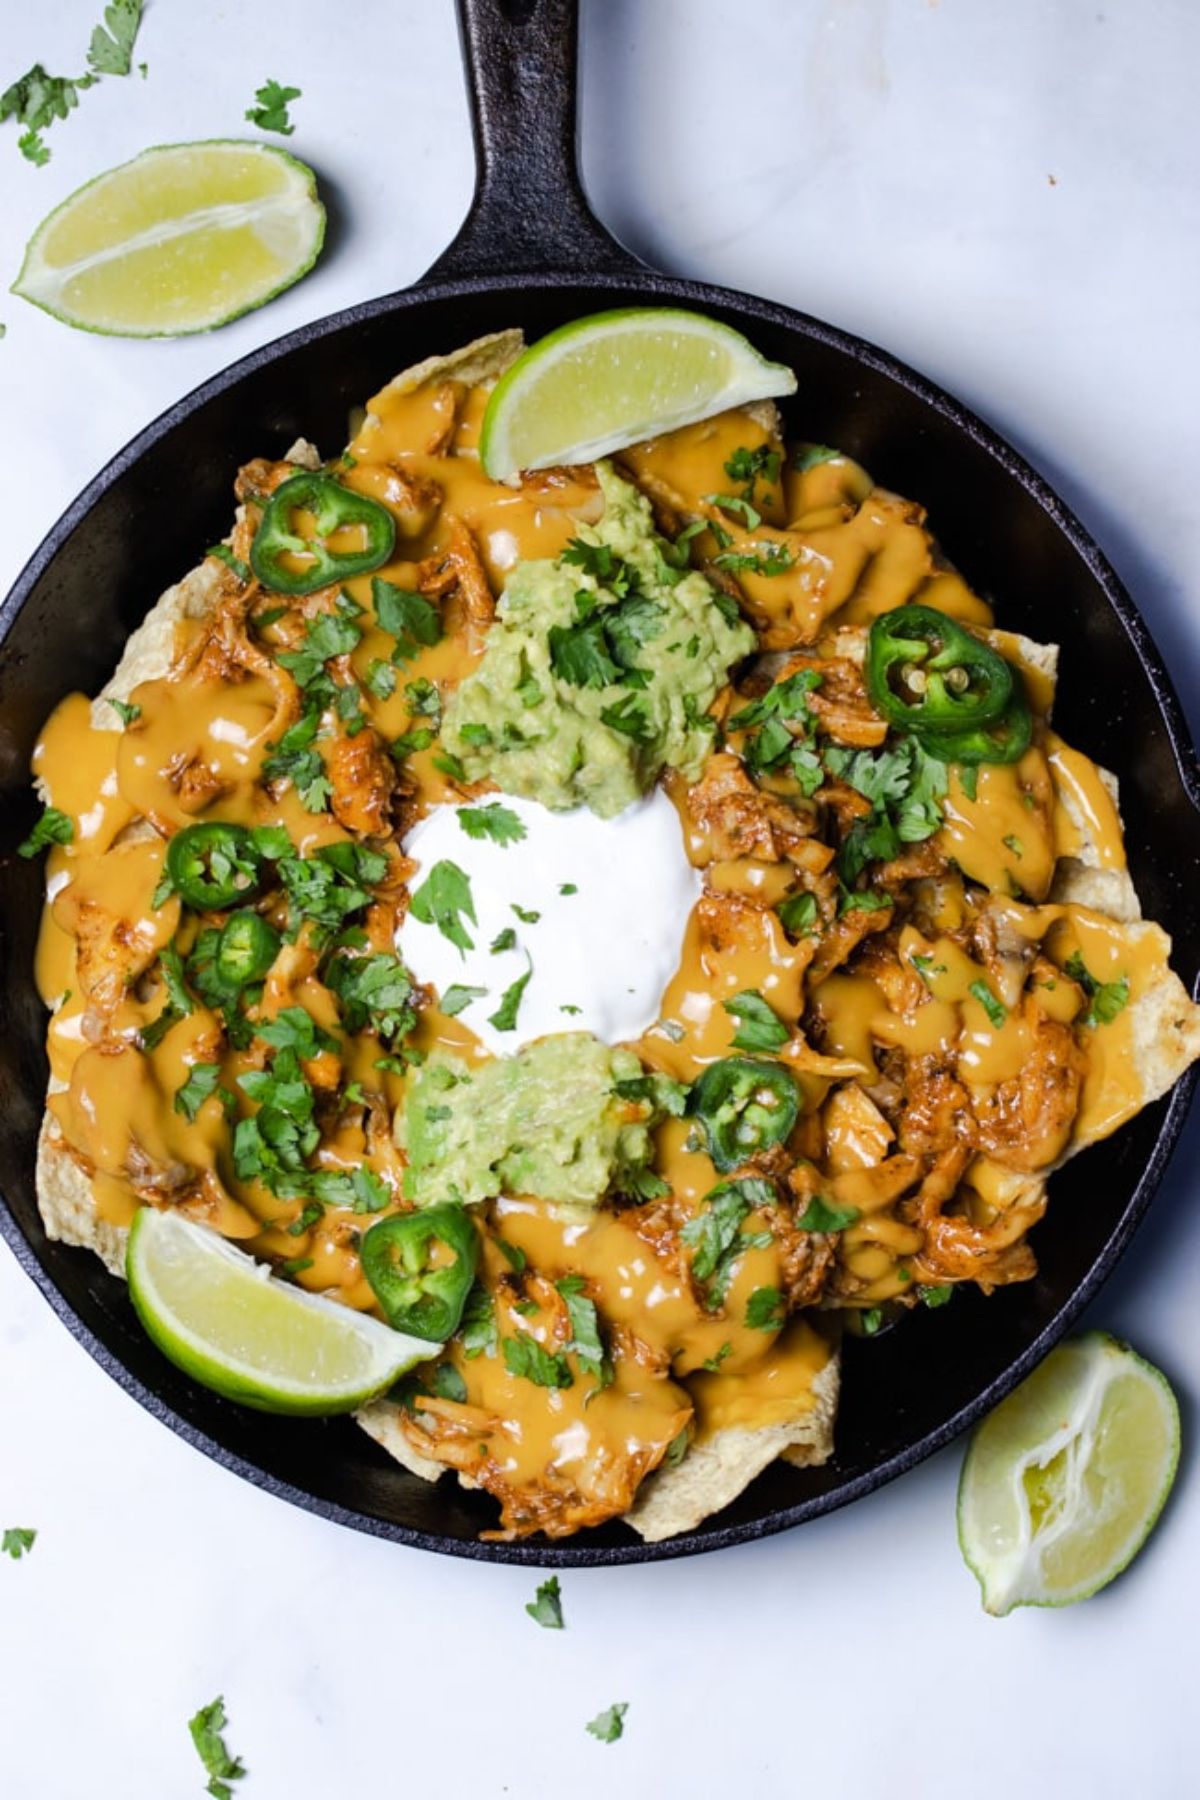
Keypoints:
(1159, 1040)
(719, 1468)
(1081, 879)
(484, 359)
(382, 1421)
(68, 1206)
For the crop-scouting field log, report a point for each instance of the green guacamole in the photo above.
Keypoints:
(599, 669)
(545, 1122)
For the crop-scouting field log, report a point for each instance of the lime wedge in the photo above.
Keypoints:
(223, 1319)
(615, 378)
(184, 237)
(1062, 1483)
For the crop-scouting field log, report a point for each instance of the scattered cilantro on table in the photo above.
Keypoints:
(609, 1725)
(206, 1728)
(546, 1609)
(17, 1540)
(271, 111)
(36, 99)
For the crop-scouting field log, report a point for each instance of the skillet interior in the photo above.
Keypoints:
(149, 516)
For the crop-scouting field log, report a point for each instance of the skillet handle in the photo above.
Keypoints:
(529, 213)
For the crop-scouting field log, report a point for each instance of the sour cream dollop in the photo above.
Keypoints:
(612, 898)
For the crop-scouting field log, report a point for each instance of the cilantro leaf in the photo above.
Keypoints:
(628, 716)
(206, 1729)
(546, 1609)
(609, 1725)
(405, 616)
(125, 712)
(525, 1357)
(749, 465)
(500, 823)
(1105, 998)
(601, 562)
(765, 559)
(54, 827)
(809, 455)
(660, 1092)
(448, 1383)
(585, 1325)
(326, 636)
(35, 100)
(328, 886)
(444, 899)
(224, 554)
(716, 1235)
(111, 50)
(201, 1083)
(295, 758)
(503, 940)
(374, 992)
(636, 621)
(477, 1333)
(937, 1296)
(505, 1016)
(579, 654)
(736, 508)
(996, 1011)
(271, 112)
(457, 998)
(821, 1215)
(759, 1027)
(17, 1540)
(766, 1309)
(799, 915)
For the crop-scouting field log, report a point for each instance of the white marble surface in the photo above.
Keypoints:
(1007, 196)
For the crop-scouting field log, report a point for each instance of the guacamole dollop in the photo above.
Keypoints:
(546, 1122)
(599, 669)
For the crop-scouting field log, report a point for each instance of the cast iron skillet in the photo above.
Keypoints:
(531, 254)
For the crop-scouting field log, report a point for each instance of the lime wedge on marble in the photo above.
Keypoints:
(614, 378)
(231, 1325)
(1062, 1483)
(183, 238)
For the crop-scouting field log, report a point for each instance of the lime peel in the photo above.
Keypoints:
(1063, 1482)
(183, 238)
(612, 379)
(226, 1321)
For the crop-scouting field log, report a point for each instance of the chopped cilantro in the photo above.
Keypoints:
(585, 1327)
(477, 1333)
(937, 1296)
(765, 559)
(497, 822)
(405, 616)
(749, 466)
(546, 1609)
(374, 993)
(381, 679)
(766, 1309)
(444, 899)
(458, 997)
(820, 1215)
(221, 1768)
(111, 50)
(996, 1011)
(124, 711)
(736, 508)
(271, 111)
(201, 1083)
(526, 917)
(568, 1008)
(568, 887)
(759, 1027)
(224, 554)
(968, 779)
(660, 1092)
(17, 1541)
(327, 887)
(1013, 843)
(716, 1235)
(1105, 998)
(450, 766)
(871, 1320)
(54, 827)
(799, 915)
(713, 1363)
(609, 1725)
(295, 758)
(579, 654)
(628, 716)
(513, 1255)
(448, 1383)
(524, 1356)
(505, 1016)
(809, 455)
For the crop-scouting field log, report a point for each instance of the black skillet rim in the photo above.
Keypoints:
(642, 288)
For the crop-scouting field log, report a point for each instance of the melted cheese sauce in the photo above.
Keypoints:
(665, 927)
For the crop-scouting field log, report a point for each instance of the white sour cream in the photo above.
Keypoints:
(608, 949)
